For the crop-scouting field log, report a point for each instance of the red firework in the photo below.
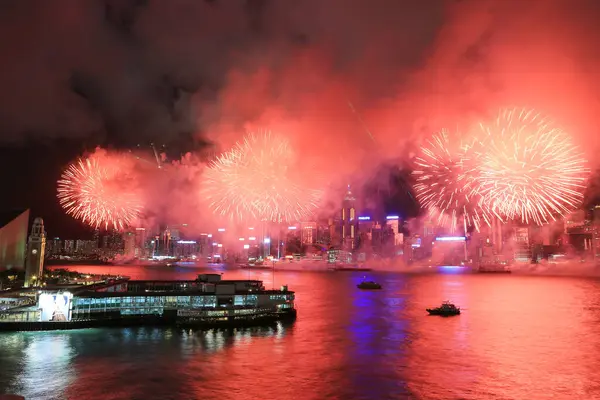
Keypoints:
(99, 191)
(446, 183)
(259, 180)
(529, 169)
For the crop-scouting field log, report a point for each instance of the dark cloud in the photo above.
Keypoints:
(137, 71)
(124, 71)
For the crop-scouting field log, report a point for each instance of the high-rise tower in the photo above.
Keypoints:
(36, 245)
(349, 220)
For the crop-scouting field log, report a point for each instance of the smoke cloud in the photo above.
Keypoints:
(352, 83)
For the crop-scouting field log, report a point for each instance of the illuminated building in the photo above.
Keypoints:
(449, 250)
(13, 239)
(349, 221)
(69, 249)
(129, 244)
(308, 232)
(140, 243)
(377, 237)
(36, 245)
(86, 247)
(393, 221)
(185, 248)
(207, 300)
(96, 238)
(114, 242)
(54, 247)
(522, 246)
(205, 245)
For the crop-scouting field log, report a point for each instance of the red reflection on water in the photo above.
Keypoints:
(518, 337)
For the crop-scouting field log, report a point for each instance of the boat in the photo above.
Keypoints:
(369, 285)
(493, 269)
(445, 310)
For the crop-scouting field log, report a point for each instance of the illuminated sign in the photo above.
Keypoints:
(140, 229)
(451, 239)
(392, 217)
(55, 307)
(186, 242)
(291, 227)
(221, 229)
(251, 229)
(219, 245)
(209, 235)
(241, 239)
(252, 238)
(267, 240)
(246, 246)
(364, 218)
(215, 243)
(451, 267)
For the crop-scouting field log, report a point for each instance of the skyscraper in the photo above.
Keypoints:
(349, 222)
(140, 242)
(35, 254)
(129, 244)
(308, 232)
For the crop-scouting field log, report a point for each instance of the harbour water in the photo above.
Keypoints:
(519, 337)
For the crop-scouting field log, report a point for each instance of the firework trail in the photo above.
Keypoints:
(446, 184)
(98, 191)
(528, 168)
(259, 180)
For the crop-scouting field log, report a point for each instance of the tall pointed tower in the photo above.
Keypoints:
(349, 221)
(36, 245)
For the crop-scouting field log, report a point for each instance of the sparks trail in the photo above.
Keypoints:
(529, 169)
(446, 184)
(98, 191)
(259, 180)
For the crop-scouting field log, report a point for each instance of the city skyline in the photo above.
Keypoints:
(34, 188)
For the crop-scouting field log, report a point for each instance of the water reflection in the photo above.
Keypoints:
(91, 364)
(378, 328)
(518, 337)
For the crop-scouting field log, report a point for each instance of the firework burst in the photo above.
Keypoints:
(259, 180)
(528, 168)
(98, 191)
(446, 184)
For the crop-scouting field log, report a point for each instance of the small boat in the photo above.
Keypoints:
(445, 310)
(369, 285)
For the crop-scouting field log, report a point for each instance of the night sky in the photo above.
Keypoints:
(181, 73)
